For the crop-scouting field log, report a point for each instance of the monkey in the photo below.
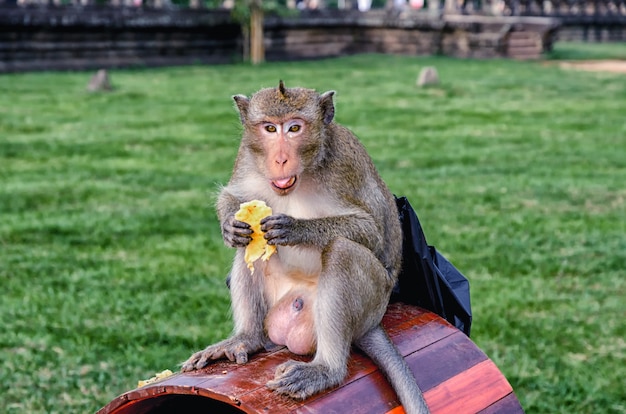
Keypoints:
(339, 247)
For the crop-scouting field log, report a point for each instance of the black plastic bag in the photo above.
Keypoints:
(427, 278)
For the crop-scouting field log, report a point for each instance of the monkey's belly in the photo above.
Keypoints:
(290, 322)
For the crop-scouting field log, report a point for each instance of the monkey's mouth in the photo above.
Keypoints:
(284, 185)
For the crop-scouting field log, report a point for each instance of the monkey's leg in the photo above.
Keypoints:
(249, 310)
(353, 291)
(377, 345)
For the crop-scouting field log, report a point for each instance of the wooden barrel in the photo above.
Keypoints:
(454, 374)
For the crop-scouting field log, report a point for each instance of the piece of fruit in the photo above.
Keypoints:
(160, 375)
(252, 213)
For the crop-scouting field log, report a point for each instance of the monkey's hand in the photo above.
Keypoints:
(300, 380)
(236, 349)
(280, 229)
(236, 233)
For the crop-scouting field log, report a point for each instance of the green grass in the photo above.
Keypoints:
(583, 51)
(111, 262)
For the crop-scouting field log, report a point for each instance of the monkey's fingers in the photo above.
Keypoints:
(242, 225)
(237, 353)
(237, 227)
(236, 233)
(192, 363)
(278, 229)
(278, 221)
(203, 358)
(277, 237)
(236, 241)
(299, 380)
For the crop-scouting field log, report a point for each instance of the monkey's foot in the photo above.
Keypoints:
(235, 349)
(300, 380)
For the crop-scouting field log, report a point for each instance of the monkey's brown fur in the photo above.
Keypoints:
(339, 246)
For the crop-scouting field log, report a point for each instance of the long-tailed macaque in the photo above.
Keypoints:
(339, 242)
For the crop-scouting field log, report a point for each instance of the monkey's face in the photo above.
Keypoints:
(282, 146)
(284, 130)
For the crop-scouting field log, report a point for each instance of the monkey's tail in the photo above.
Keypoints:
(377, 345)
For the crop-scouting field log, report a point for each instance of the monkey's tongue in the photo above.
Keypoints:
(284, 183)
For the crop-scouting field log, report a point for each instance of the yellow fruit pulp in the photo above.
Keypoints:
(160, 375)
(252, 213)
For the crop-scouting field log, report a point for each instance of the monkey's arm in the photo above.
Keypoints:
(285, 230)
(235, 233)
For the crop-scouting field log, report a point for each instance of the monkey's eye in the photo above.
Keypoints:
(270, 128)
(294, 128)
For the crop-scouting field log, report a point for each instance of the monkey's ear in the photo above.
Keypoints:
(327, 106)
(243, 103)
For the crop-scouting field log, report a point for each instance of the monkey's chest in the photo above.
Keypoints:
(291, 268)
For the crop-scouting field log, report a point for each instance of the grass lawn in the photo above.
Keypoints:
(112, 266)
(585, 51)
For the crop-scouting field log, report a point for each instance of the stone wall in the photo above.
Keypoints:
(326, 34)
(74, 38)
(593, 29)
(89, 37)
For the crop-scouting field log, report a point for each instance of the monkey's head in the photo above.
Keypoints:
(284, 128)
